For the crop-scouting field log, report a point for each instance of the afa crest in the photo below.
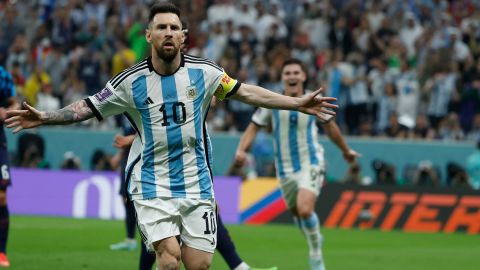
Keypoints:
(191, 92)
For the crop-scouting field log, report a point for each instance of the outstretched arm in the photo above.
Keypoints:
(312, 103)
(31, 117)
(333, 132)
(245, 142)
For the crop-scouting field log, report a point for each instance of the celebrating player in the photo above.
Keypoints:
(166, 97)
(298, 156)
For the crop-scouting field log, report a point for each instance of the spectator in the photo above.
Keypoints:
(100, 161)
(70, 161)
(38, 80)
(440, 89)
(394, 128)
(408, 95)
(31, 151)
(422, 129)
(45, 99)
(449, 128)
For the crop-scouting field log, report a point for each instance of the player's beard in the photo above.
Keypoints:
(167, 55)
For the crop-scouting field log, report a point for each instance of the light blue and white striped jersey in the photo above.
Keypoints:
(295, 139)
(171, 154)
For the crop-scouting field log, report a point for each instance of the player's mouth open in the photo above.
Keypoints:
(168, 44)
(292, 83)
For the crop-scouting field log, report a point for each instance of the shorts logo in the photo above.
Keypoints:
(103, 94)
(191, 92)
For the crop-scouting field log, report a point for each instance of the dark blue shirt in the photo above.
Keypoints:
(7, 90)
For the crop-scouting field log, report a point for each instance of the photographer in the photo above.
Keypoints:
(384, 172)
(426, 175)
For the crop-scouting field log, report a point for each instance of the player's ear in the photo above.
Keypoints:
(183, 37)
(148, 35)
(304, 76)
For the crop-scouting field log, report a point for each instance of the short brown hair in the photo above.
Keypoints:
(162, 8)
(294, 61)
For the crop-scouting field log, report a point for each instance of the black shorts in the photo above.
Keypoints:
(5, 180)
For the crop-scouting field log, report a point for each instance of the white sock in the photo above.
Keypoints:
(242, 266)
(311, 229)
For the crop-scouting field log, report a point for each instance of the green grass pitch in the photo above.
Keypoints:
(37, 243)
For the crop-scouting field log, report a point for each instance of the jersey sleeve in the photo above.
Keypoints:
(225, 86)
(7, 87)
(109, 101)
(262, 117)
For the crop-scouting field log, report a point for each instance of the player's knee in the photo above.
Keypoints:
(202, 264)
(304, 211)
(168, 259)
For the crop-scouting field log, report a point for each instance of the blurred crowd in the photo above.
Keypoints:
(399, 68)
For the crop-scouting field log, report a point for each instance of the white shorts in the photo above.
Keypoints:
(310, 178)
(194, 220)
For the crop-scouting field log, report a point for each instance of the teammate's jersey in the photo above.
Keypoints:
(295, 139)
(7, 90)
(171, 154)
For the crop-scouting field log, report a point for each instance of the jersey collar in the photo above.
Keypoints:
(151, 69)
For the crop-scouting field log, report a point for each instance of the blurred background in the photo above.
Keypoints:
(406, 75)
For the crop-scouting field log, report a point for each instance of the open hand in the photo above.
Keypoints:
(317, 105)
(23, 119)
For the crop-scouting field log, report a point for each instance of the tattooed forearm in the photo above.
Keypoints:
(75, 112)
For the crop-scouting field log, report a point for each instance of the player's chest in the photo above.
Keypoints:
(171, 101)
(292, 119)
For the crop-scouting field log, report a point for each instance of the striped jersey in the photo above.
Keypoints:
(295, 139)
(171, 154)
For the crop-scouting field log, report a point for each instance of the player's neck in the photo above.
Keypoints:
(293, 92)
(167, 68)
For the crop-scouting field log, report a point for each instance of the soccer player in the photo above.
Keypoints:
(7, 101)
(298, 156)
(123, 143)
(225, 244)
(166, 98)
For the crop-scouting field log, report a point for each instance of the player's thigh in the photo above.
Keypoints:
(196, 259)
(305, 202)
(289, 188)
(5, 179)
(310, 181)
(199, 224)
(157, 219)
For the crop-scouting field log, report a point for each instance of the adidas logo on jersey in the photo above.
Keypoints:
(148, 101)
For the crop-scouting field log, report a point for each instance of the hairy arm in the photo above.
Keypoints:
(75, 112)
(311, 103)
(261, 97)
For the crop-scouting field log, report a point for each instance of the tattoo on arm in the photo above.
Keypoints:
(75, 112)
